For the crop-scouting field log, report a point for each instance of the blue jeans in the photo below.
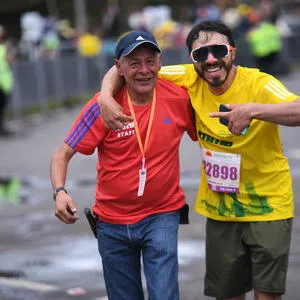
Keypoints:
(121, 247)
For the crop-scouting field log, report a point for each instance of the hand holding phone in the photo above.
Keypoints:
(224, 121)
(223, 108)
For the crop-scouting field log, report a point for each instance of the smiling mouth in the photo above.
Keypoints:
(213, 69)
(144, 79)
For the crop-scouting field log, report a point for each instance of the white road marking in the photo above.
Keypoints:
(28, 285)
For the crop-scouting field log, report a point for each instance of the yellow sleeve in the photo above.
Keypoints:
(182, 75)
(273, 91)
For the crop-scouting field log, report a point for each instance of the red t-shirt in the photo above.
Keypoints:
(120, 158)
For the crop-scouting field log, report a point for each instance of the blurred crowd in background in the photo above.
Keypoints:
(82, 45)
(260, 24)
(46, 36)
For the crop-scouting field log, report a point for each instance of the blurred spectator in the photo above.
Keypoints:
(157, 20)
(184, 25)
(289, 22)
(248, 18)
(49, 46)
(149, 18)
(137, 21)
(268, 10)
(32, 26)
(155, 16)
(165, 34)
(67, 36)
(266, 47)
(111, 19)
(231, 18)
(207, 11)
(6, 80)
(89, 44)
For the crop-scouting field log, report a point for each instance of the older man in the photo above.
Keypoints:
(138, 196)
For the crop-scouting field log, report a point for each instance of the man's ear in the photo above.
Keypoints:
(118, 66)
(159, 57)
(233, 54)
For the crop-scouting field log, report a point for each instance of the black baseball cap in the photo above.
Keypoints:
(133, 39)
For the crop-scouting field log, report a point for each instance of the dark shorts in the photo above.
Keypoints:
(241, 256)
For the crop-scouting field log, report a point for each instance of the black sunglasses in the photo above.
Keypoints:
(218, 51)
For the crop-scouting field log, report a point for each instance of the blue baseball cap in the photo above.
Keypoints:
(133, 39)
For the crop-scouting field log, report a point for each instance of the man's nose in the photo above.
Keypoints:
(144, 68)
(210, 58)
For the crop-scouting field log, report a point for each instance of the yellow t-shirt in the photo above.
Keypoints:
(265, 183)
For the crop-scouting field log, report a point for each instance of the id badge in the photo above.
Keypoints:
(142, 181)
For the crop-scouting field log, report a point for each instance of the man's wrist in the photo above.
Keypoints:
(57, 190)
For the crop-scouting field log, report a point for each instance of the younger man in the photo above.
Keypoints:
(246, 186)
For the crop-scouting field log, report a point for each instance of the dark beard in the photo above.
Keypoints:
(217, 82)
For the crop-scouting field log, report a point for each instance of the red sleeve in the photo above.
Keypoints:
(188, 113)
(88, 130)
(184, 110)
(191, 124)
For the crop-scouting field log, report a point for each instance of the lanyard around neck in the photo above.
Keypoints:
(143, 148)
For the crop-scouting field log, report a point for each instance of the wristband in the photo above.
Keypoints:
(58, 190)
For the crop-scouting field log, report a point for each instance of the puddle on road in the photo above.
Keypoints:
(71, 260)
(190, 250)
(188, 180)
(24, 188)
(64, 263)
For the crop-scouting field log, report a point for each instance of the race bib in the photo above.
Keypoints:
(222, 170)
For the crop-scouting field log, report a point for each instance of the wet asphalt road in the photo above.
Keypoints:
(43, 259)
